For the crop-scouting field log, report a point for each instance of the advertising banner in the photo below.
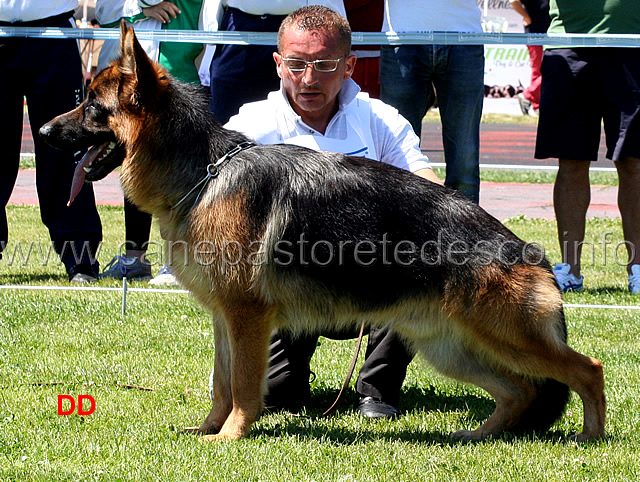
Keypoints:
(504, 64)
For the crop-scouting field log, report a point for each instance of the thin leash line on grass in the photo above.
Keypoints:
(84, 384)
(177, 291)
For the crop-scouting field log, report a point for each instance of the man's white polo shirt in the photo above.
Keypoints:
(361, 127)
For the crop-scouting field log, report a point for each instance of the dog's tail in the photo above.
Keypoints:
(550, 402)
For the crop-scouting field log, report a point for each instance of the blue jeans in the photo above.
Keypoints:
(408, 76)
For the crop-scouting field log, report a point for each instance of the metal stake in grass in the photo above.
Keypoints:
(124, 297)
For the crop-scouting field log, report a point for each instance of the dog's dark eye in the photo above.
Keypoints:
(94, 109)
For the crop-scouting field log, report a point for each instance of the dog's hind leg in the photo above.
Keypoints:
(513, 394)
(580, 373)
(584, 375)
(544, 371)
(241, 373)
(538, 351)
(528, 372)
(514, 321)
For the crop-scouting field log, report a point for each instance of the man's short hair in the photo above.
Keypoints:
(318, 18)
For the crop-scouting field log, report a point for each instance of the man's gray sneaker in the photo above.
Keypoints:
(131, 268)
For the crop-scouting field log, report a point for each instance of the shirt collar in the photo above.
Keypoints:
(347, 94)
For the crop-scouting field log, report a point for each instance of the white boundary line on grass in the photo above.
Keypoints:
(92, 288)
(525, 167)
(182, 292)
(604, 307)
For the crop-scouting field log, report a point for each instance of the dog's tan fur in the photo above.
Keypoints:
(502, 333)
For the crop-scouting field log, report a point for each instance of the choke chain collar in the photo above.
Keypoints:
(213, 170)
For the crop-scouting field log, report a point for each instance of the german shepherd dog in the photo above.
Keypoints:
(282, 237)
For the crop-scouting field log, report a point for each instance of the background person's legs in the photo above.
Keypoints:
(629, 205)
(571, 197)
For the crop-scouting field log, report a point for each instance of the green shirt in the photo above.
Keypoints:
(178, 57)
(595, 16)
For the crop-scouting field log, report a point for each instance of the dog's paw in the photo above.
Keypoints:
(468, 435)
(585, 437)
(220, 437)
(200, 430)
(189, 430)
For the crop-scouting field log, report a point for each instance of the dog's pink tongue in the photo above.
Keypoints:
(79, 173)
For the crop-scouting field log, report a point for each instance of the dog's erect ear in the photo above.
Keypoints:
(138, 74)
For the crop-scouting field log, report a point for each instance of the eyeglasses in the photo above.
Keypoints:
(299, 65)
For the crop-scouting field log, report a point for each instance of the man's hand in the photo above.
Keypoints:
(164, 12)
(518, 6)
(429, 175)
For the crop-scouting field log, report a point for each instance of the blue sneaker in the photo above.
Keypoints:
(131, 268)
(634, 279)
(565, 280)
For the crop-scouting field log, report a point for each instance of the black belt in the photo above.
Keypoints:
(53, 21)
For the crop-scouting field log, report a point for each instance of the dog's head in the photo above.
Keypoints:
(109, 119)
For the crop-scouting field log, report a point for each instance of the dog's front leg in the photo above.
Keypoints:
(222, 398)
(247, 336)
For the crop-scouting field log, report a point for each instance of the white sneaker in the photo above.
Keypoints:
(634, 279)
(165, 278)
(565, 280)
(525, 104)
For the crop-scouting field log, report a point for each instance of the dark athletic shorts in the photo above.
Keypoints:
(582, 89)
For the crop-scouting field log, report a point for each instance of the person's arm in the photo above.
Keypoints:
(110, 12)
(519, 7)
(163, 12)
(396, 142)
(429, 175)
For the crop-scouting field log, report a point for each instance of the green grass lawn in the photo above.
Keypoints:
(70, 342)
